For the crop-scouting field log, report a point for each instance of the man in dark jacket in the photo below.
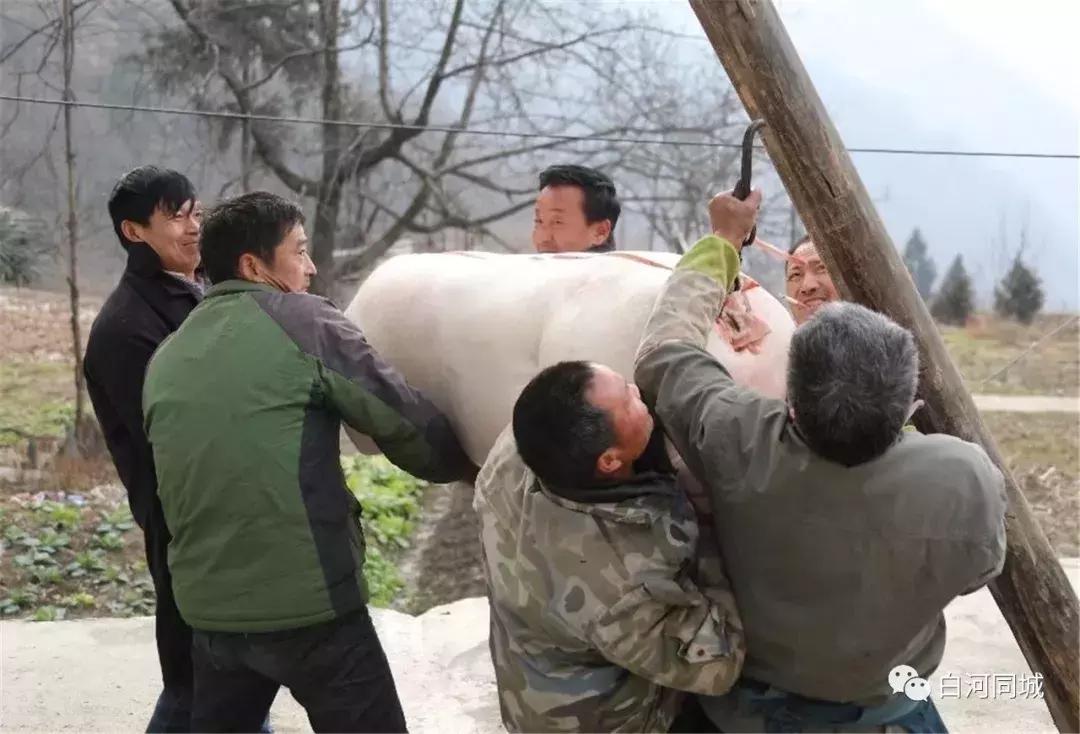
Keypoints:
(156, 216)
(244, 406)
(576, 211)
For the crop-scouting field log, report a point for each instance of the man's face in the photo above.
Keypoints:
(559, 222)
(293, 268)
(630, 419)
(173, 236)
(809, 283)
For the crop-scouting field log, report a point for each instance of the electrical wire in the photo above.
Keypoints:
(502, 133)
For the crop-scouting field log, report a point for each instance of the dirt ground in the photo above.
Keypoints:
(984, 350)
(448, 566)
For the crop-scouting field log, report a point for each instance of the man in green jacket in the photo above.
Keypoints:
(243, 407)
(844, 536)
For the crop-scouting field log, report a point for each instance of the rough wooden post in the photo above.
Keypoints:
(1033, 592)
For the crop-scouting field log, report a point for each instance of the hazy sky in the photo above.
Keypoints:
(964, 74)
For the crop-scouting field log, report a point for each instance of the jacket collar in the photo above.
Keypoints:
(142, 260)
(653, 475)
(640, 485)
(231, 287)
(144, 264)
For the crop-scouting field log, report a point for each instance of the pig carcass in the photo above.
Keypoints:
(470, 329)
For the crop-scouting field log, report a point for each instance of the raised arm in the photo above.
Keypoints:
(721, 430)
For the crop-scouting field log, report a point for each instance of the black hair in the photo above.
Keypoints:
(142, 191)
(559, 433)
(254, 223)
(802, 241)
(791, 250)
(601, 199)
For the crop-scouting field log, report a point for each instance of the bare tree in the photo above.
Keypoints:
(32, 143)
(513, 66)
(68, 24)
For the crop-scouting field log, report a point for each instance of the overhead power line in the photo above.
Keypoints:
(503, 133)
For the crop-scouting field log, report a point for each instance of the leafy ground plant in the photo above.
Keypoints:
(67, 555)
(390, 500)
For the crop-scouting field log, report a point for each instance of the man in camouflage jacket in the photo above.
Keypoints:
(599, 618)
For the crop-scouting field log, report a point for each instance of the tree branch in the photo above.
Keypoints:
(542, 49)
(263, 146)
(440, 68)
(384, 64)
(14, 48)
(377, 249)
(299, 55)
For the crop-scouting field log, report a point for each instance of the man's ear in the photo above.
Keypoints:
(247, 268)
(911, 411)
(130, 230)
(601, 231)
(608, 463)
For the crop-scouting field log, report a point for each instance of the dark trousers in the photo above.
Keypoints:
(336, 670)
(755, 706)
(172, 713)
(692, 718)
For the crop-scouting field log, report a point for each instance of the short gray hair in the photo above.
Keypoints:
(851, 381)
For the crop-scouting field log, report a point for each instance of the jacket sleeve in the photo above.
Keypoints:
(722, 431)
(669, 630)
(115, 369)
(987, 554)
(373, 398)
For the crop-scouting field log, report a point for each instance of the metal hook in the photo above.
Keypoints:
(742, 187)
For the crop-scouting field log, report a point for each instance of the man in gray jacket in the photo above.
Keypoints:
(843, 535)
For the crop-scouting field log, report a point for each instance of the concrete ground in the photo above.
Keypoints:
(102, 675)
(1027, 403)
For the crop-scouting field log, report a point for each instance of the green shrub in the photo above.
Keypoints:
(390, 501)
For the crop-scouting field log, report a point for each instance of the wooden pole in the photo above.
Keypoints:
(1032, 591)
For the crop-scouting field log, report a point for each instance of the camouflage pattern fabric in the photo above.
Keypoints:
(596, 621)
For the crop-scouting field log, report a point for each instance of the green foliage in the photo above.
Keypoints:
(390, 500)
(108, 541)
(18, 600)
(29, 401)
(955, 300)
(23, 247)
(60, 559)
(49, 614)
(1019, 295)
(80, 599)
(55, 563)
(383, 580)
(59, 515)
(920, 264)
(110, 532)
(86, 563)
